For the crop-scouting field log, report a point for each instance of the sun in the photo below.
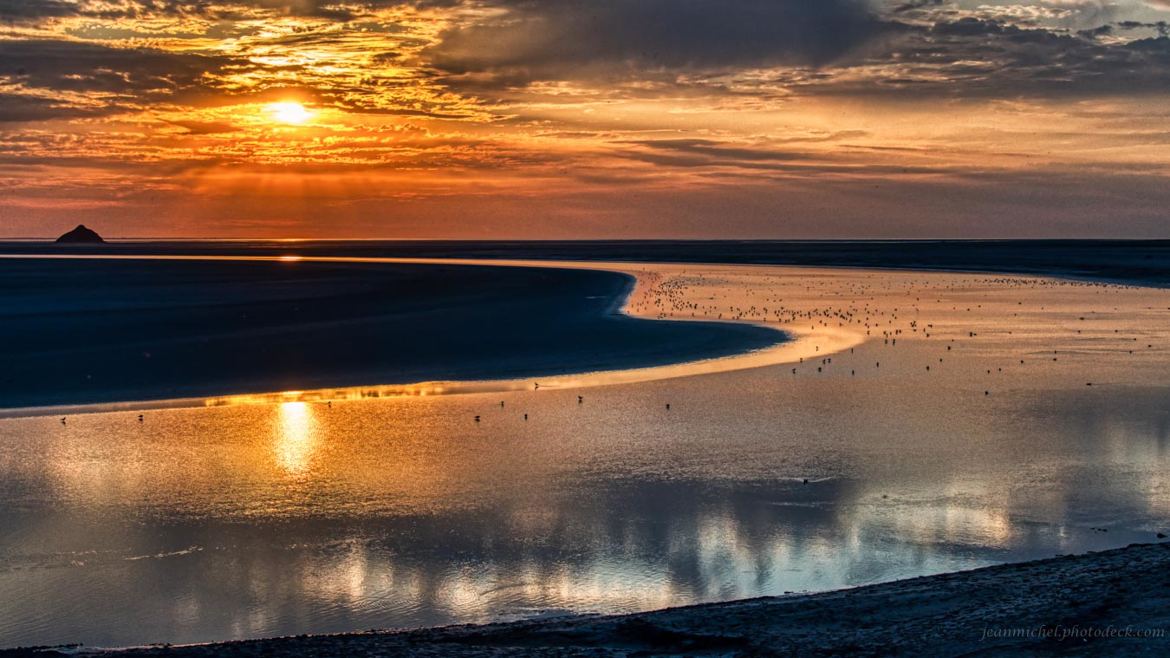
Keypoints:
(288, 112)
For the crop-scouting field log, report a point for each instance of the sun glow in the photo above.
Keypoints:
(288, 112)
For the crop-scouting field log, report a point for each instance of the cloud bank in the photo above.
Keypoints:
(607, 118)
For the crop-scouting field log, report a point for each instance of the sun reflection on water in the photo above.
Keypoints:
(295, 436)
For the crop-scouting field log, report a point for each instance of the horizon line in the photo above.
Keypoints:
(160, 239)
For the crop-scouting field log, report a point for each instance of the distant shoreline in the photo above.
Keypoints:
(1130, 262)
(1114, 602)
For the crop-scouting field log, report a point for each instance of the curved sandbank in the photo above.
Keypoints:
(82, 330)
(1109, 603)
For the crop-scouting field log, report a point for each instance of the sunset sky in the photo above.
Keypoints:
(585, 119)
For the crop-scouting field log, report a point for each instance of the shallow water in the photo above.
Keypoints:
(111, 328)
(277, 518)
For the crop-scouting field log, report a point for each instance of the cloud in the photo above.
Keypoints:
(969, 56)
(712, 159)
(635, 48)
(556, 39)
(438, 100)
(1037, 61)
(19, 11)
(24, 107)
(836, 47)
(69, 78)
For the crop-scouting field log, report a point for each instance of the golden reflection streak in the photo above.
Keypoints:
(295, 437)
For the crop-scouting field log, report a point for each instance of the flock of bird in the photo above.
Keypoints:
(953, 310)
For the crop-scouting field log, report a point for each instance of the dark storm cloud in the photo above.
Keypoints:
(941, 51)
(1161, 27)
(557, 38)
(913, 5)
(33, 10)
(978, 57)
(12, 10)
(19, 107)
(114, 79)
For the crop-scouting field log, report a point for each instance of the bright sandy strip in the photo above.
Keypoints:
(683, 292)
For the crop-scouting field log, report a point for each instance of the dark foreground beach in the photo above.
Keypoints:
(75, 332)
(1114, 603)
